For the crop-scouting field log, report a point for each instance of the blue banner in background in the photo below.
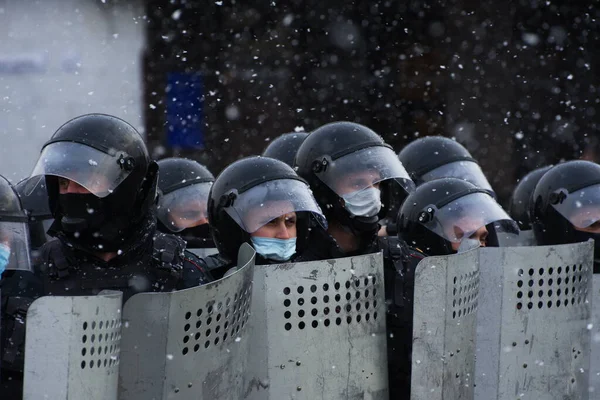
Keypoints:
(185, 106)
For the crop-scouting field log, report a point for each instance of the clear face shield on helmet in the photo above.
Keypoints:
(14, 246)
(466, 170)
(355, 178)
(581, 208)
(468, 217)
(263, 203)
(97, 171)
(185, 207)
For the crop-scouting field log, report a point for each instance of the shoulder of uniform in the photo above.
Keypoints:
(194, 260)
(417, 253)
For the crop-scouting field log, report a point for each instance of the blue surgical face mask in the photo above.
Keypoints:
(274, 249)
(4, 257)
(363, 203)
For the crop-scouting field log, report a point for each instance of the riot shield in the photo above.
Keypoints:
(319, 331)
(72, 347)
(445, 310)
(190, 344)
(533, 339)
(595, 363)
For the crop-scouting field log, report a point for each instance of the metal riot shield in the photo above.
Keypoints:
(445, 310)
(533, 338)
(190, 344)
(318, 331)
(595, 363)
(72, 347)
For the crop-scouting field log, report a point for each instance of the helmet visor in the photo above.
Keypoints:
(581, 208)
(98, 172)
(185, 207)
(462, 217)
(14, 246)
(466, 170)
(263, 203)
(363, 168)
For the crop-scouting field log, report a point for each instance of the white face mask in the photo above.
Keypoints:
(363, 203)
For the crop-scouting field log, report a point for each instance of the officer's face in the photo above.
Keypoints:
(97, 184)
(189, 215)
(356, 181)
(67, 186)
(464, 225)
(584, 216)
(283, 227)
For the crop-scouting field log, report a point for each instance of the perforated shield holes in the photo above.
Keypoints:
(102, 350)
(216, 323)
(354, 301)
(197, 344)
(81, 361)
(445, 315)
(317, 326)
(465, 292)
(533, 322)
(564, 286)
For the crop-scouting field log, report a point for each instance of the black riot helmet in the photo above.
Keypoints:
(100, 180)
(449, 210)
(183, 187)
(14, 234)
(434, 157)
(565, 207)
(342, 161)
(284, 147)
(34, 199)
(518, 207)
(250, 193)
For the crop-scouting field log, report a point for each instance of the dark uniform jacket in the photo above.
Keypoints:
(157, 262)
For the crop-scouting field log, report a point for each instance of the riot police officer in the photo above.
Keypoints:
(260, 201)
(434, 157)
(441, 214)
(565, 207)
(18, 286)
(102, 189)
(352, 172)
(284, 147)
(184, 186)
(518, 207)
(34, 199)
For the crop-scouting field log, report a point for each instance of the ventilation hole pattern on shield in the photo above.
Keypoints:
(552, 287)
(100, 344)
(324, 305)
(465, 292)
(216, 323)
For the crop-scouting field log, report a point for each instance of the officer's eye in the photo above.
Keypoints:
(359, 183)
(290, 221)
(274, 222)
(63, 183)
